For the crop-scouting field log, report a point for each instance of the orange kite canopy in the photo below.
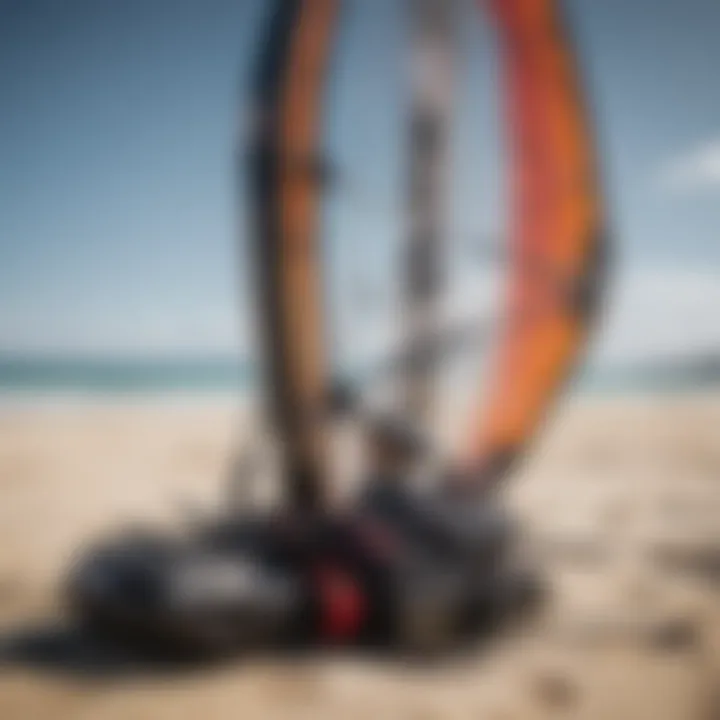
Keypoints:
(557, 233)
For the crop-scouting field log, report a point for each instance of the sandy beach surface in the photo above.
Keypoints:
(621, 501)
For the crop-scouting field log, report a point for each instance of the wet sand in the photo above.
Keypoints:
(621, 501)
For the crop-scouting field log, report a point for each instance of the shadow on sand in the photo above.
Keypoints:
(66, 650)
(61, 648)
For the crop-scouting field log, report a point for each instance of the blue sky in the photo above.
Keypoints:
(118, 121)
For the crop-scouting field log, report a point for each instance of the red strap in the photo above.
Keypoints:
(342, 602)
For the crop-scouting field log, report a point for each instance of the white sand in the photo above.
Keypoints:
(612, 484)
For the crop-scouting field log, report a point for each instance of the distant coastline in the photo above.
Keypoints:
(123, 376)
(65, 377)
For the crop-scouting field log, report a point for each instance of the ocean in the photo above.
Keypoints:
(123, 376)
(66, 376)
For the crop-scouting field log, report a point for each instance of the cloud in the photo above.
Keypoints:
(660, 312)
(655, 312)
(698, 169)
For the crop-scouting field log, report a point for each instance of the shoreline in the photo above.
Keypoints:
(22, 399)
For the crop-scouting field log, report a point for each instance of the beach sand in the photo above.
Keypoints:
(620, 498)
